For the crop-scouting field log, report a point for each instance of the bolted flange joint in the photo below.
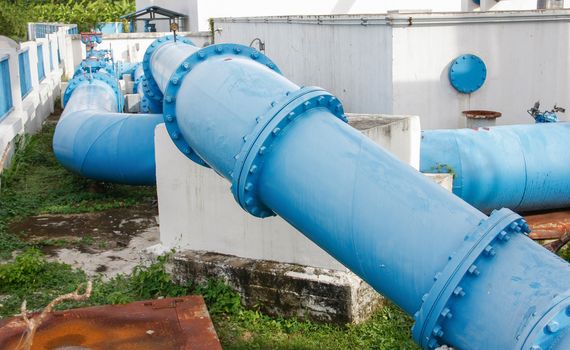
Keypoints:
(175, 81)
(552, 327)
(151, 89)
(249, 162)
(463, 267)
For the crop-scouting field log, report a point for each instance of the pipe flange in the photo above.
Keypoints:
(145, 105)
(87, 78)
(175, 81)
(550, 327)
(437, 308)
(136, 84)
(152, 90)
(257, 144)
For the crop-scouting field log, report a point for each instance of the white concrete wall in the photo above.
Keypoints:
(383, 64)
(508, 5)
(200, 11)
(29, 113)
(503, 5)
(527, 60)
(354, 62)
(197, 210)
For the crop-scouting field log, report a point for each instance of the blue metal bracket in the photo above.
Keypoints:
(437, 307)
(151, 89)
(171, 91)
(250, 160)
(467, 73)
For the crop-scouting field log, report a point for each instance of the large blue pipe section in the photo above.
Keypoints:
(470, 280)
(95, 140)
(521, 167)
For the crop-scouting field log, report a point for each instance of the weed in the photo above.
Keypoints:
(86, 241)
(25, 270)
(30, 277)
(564, 252)
(444, 168)
(153, 281)
(221, 298)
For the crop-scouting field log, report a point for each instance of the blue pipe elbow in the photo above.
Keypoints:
(521, 167)
(95, 141)
(471, 281)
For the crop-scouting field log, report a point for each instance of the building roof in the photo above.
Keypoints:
(152, 11)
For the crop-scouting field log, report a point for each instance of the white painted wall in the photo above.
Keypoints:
(508, 5)
(526, 61)
(29, 113)
(382, 64)
(197, 210)
(504, 5)
(199, 11)
(353, 62)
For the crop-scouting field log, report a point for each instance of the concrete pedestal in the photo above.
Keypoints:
(286, 290)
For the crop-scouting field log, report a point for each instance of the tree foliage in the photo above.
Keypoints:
(15, 14)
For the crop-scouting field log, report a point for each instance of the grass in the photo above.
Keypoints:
(36, 184)
(30, 277)
(389, 328)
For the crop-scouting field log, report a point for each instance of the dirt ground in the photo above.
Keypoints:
(107, 242)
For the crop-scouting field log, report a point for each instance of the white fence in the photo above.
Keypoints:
(34, 69)
(30, 86)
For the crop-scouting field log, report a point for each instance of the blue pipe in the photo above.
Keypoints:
(471, 281)
(94, 140)
(141, 87)
(521, 167)
(137, 76)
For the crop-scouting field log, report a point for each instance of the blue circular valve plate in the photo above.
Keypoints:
(467, 73)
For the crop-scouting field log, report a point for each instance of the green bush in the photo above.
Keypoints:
(25, 270)
(15, 14)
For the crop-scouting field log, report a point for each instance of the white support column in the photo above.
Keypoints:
(487, 5)
(33, 55)
(469, 5)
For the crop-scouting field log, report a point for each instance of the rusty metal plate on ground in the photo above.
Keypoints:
(550, 225)
(172, 323)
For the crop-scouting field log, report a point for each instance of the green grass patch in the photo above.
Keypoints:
(30, 277)
(37, 184)
(388, 328)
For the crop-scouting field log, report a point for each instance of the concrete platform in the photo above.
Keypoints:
(286, 290)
